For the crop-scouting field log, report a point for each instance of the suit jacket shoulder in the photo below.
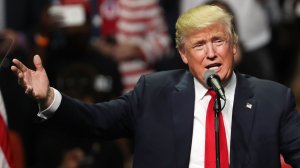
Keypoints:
(261, 87)
(264, 122)
(164, 77)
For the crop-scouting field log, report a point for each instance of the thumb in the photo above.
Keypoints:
(38, 62)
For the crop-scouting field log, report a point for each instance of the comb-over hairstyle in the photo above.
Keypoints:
(200, 17)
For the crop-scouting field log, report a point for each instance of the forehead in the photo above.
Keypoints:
(213, 31)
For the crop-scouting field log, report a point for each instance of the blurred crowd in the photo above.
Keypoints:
(95, 50)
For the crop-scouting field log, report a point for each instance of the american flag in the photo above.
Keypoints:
(6, 160)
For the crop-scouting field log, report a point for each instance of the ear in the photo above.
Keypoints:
(236, 54)
(182, 53)
(235, 49)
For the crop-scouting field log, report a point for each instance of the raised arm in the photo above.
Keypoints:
(35, 82)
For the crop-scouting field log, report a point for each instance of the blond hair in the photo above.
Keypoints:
(201, 17)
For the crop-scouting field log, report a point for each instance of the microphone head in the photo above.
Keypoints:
(208, 75)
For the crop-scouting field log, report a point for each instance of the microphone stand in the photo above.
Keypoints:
(217, 109)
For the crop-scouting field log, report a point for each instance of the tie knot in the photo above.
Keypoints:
(212, 93)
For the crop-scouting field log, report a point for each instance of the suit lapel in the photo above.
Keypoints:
(183, 98)
(242, 121)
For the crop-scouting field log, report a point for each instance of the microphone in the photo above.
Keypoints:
(213, 80)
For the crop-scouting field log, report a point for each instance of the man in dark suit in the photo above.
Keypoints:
(165, 113)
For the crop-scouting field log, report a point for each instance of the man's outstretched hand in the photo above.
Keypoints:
(35, 82)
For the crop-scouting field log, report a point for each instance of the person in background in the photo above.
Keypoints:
(134, 34)
(168, 114)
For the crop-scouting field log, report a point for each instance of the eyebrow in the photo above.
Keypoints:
(219, 35)
(197, 43)
(213, 37)
(219, 38)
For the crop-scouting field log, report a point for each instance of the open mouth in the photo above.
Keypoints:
(214, 66)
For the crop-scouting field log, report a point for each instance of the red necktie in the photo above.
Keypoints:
(210, 145)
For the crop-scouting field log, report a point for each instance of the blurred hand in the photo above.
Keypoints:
(125, 52)
(35, 82)
(103, 47)
(72, 158)
(119, 52)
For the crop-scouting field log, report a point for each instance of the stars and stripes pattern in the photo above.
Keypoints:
(6, 160)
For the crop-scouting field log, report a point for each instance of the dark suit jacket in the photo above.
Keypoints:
(158, 114)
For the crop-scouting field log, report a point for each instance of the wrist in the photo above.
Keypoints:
(48, 99)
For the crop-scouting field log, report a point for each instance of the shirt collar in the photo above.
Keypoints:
(201, 90)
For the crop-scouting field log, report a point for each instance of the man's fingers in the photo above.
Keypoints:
(21, 80)
(17, 71)
(14, 69)
(19, 65)
(28, 90)
(37, 62)
(20, 76)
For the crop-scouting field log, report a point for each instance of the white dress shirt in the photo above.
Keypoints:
(201, 102)
(48, 112)
(202, 99)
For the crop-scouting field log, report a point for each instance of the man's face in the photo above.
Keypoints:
(209, 48)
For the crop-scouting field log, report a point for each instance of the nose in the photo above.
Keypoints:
(210, 51)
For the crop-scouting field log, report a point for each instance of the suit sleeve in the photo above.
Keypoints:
(108, 120)
(290, 132)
